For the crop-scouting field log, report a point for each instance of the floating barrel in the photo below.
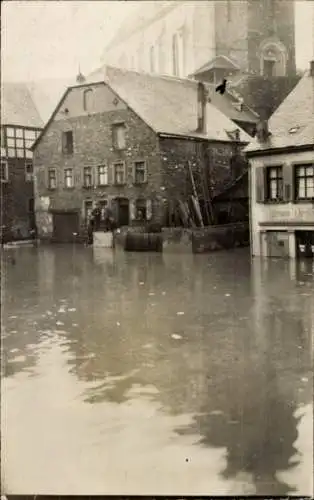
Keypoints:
(143, 242)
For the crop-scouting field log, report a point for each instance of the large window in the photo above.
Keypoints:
(87, 177)
(88, 208)
(118, 136)
(68, 178)
(274, 183)
(102, 175)
(140, 174)
(119, 173)
(67, 142)
(304, 176)
(18, 141)
(52, 178)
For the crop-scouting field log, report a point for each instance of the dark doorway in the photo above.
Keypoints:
(122, 211)
(269, 68)
(305, 244)
(65, 227)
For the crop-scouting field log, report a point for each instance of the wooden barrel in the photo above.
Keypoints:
(143, 242)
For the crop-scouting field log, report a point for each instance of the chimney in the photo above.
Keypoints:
(262, 131)
(312, 68)
(201, 107)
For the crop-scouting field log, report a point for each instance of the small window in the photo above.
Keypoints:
(304, 175)
(140, 174)
(20, 143)
(68, 178)
(118, 136)
(102, 175)
(19, 132)
(11, 152)
(29, 171)
(4, 171)
(30, 134)
(141, 209)
(274, 183)
(10, 132)
(119, 173)
(52, 178)
(67, 142)
(87, 177)
(10, 142)
(88, 99)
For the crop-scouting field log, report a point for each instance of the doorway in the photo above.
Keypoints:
(122, 211)
(65, 226)
(305, 244)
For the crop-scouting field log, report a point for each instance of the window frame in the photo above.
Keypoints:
(296, 167)
(86, 92)
(114, 133)
(278, 178)
(86, 186)
(114, 166)
(105, 166)
(51, 188)
(5, 179)
(29, 177)
(85, 215)
(135, 182)
(67, 169)
(65, 145)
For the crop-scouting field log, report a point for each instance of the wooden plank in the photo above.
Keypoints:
(195, 197)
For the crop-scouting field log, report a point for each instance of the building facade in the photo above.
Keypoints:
(20, 126)
(282, 178)
(177, 38)
(107, 143)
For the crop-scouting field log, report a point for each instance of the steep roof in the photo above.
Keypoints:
(18, 106)
(168, 104)
(30, 104)
(292, 124)
(142, 15)
(218, 62)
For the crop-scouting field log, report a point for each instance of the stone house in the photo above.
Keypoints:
(282, 177)
(133, 142)
(20, 125)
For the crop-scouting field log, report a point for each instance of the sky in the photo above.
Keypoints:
(50, 39)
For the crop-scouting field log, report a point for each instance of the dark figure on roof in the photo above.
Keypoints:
(222, 87)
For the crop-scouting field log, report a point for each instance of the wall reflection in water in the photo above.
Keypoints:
(223, 339)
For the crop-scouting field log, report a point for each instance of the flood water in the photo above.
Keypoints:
(156, 374)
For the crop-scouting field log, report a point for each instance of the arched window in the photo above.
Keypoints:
(273, 58)
(88, 99)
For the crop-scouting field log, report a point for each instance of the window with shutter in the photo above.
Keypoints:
(288, 178)
(260, 184)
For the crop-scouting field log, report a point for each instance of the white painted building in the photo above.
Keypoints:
(282, 178)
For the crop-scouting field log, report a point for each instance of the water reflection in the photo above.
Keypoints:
(219, 342)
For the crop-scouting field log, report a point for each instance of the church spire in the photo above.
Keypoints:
(80, 78)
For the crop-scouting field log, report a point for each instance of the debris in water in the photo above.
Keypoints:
(141, 282)
(151, 293)
(227, 294)
(163, 293)
(74, 324)
(59, 323)
(49, 313)
(14, 350)
(118, 324)
(216, 412)
(176, 337)
(180, 313)
(72, 309)
(13, 331)
(304, 379)
(13, 317)
(19, 359)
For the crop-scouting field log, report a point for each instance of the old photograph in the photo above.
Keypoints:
(157, 247)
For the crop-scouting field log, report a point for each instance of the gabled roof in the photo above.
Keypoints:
(18, 106)
(292, 124)
(168, 105)
(218, 62)
(30, 104)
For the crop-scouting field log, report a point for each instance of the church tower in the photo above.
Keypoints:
(257, 35)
